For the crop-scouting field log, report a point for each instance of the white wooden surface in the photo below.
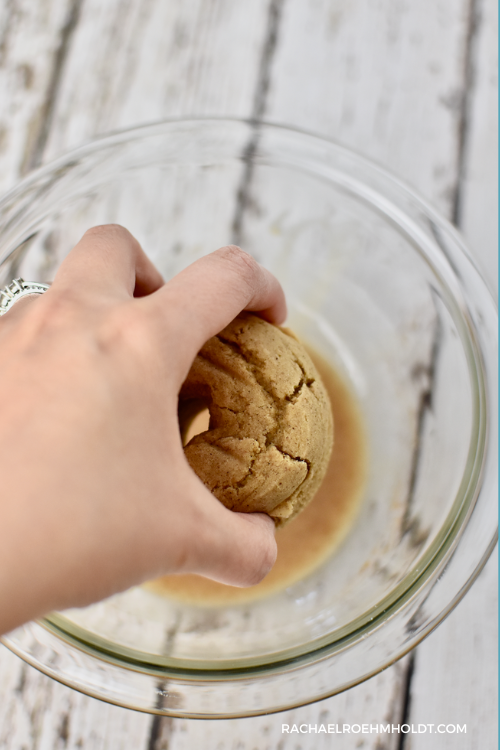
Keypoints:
(412, 85)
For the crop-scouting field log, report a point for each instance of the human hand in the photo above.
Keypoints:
(96, 494)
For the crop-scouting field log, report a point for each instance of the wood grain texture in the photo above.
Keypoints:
(478, 217)
(37, 713)
(136, 61)
(387, 77)
(378, 700)
(456, 668)
(103, 102)
(394, 81)
(30, 39)
(456, 672)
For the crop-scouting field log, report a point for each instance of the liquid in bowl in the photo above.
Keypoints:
(314, 535)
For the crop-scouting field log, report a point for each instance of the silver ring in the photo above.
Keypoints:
(18, 288)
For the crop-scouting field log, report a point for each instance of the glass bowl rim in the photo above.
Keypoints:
(439, 552)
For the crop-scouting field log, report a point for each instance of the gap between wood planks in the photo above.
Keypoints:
(162, 727)
(465, 107)
(258, 111)
(34, 154)
(464, 122)
(406, 698)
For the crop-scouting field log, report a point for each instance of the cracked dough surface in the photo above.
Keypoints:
(271, 429)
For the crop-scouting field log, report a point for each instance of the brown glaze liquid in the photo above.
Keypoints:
(314, 534)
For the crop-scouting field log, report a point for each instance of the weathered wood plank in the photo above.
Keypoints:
(456, 669)
(383, 77)
(411, 63)
(135, 61)
(380, 700)
(391, 80)
(351, 72)
(37, 713)
(128, 62)
(479, 196)
(30, 39)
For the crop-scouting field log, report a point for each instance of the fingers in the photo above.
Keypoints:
(205, 297)
(110, 259)
(238, 549)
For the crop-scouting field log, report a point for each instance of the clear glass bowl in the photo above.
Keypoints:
(382, 287)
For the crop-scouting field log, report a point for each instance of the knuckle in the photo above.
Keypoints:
(53, 309)
(109, 232)
(130, 328)
(241, 263)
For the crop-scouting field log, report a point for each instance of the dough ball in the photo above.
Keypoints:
(271, 429)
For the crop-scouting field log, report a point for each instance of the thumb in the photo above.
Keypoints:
(238, 549)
